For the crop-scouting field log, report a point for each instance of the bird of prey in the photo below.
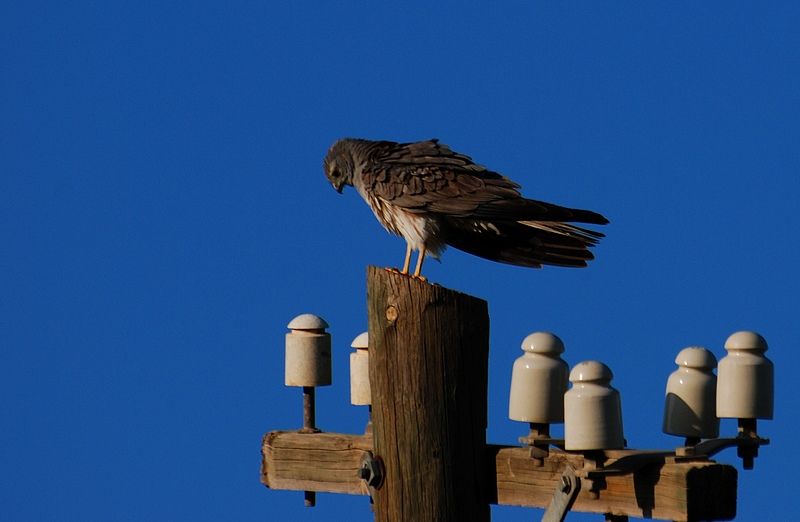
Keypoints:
(433, 197)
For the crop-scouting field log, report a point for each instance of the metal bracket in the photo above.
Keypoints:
(747, 446)
(564, 496)
(539, 442)
(628, 464)
(595, 471)
(539, 448)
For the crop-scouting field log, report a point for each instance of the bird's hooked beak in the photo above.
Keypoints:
(334, 175)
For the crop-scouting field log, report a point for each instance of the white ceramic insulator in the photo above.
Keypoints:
(592, 409)
(360, 394)
(745, 382)
(690, 403)
(539, 381)
(308, 352)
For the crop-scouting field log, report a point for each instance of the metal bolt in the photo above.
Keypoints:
(371, 470)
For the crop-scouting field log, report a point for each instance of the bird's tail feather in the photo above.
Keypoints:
(528, 243)
(521, 209)
(587, 216)
(584, 235)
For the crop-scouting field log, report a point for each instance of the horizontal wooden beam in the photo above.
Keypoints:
(326, 462)
(663, 489)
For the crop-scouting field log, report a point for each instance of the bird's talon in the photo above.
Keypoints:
(393, 270)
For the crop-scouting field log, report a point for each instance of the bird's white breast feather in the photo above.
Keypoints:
(416, 229)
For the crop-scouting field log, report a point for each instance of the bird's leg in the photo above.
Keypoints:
(420, 259)
(407, 262)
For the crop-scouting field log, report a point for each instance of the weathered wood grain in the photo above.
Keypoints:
(428, 374)
(326, 462)
(665, 490)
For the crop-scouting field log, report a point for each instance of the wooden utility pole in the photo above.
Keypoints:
(429, 349)
(428, 367)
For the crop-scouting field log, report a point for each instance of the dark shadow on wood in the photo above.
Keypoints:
(644, 487)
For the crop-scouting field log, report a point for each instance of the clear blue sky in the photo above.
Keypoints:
(163, 215)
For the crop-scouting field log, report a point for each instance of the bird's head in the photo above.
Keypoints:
(339, 165)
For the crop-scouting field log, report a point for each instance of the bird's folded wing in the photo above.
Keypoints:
(429, 177)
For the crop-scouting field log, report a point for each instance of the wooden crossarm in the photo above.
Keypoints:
(663, 489)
